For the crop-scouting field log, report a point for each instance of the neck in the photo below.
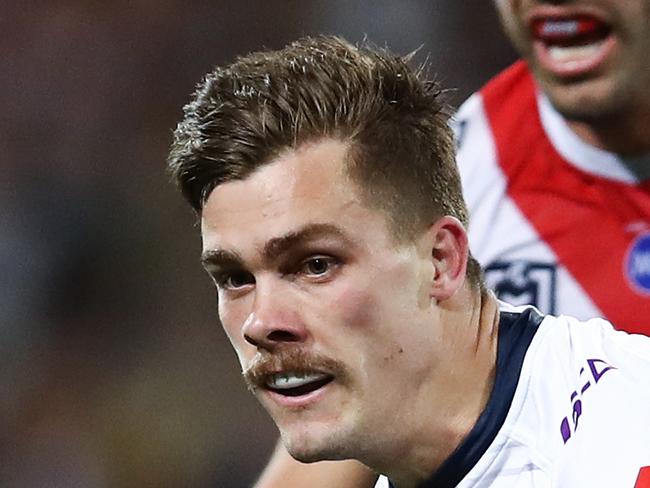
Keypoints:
(457, 392)
(626, 136)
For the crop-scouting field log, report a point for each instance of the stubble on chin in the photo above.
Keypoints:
(308, 442)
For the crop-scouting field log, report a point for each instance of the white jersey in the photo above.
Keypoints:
(554, 222)
(578, 415)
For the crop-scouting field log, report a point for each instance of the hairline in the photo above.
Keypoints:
(354, 154)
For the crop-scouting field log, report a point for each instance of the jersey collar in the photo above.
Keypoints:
(516, 331)
(578, 153)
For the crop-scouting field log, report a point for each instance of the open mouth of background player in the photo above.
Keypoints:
(573, 45)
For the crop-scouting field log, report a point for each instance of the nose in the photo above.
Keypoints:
(274, 321)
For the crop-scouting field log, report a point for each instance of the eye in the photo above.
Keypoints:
(318, 265)
(235, 280)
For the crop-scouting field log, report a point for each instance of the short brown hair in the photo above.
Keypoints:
(402, 151)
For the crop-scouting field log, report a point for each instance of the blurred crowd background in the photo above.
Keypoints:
(114, 371)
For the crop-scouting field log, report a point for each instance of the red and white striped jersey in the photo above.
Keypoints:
(554, 222)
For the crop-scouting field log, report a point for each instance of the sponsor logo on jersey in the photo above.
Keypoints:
(524, 283)
(637, 263)
(596, 369)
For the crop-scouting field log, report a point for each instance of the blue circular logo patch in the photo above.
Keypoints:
(638, 263)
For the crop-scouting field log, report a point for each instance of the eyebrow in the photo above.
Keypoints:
(279, 245)
(219, 258)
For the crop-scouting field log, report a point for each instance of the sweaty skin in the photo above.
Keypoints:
(601, 90)
(296, 237)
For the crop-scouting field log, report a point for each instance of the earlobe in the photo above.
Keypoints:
(449, 252)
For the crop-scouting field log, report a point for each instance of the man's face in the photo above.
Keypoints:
(591, 57)
(331, 319)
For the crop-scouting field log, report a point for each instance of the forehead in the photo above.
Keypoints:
(300, 187)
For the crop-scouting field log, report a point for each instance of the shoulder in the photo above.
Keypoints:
(586, 363)
(596, 374)
(576, 375)
(579, 338)
(568, 356)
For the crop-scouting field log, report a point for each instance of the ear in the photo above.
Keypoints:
(449, 251)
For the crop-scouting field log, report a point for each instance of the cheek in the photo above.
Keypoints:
(370, 318)
(511, 23)
(374, 322)
(377, 299)
(357, 308)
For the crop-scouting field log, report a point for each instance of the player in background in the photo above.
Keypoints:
(563, 133)
(555, 153)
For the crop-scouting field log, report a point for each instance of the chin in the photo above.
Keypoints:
(315, 444)
(308, 456)
(587, 101)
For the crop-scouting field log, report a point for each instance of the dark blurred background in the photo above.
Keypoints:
(114, 371)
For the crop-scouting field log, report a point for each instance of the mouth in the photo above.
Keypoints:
(290, 384)
(571, 45)
(294, 379)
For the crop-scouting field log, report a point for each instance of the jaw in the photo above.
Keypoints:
(316, 426)
(583, 100)
(314, 441)
(605, 114)
(310, 438)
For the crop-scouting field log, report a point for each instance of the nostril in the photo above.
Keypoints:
(250, 340)
(275, 336)
(282, 336)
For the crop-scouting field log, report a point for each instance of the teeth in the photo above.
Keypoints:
(290, 380)
(565, 27)
(574, 53)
